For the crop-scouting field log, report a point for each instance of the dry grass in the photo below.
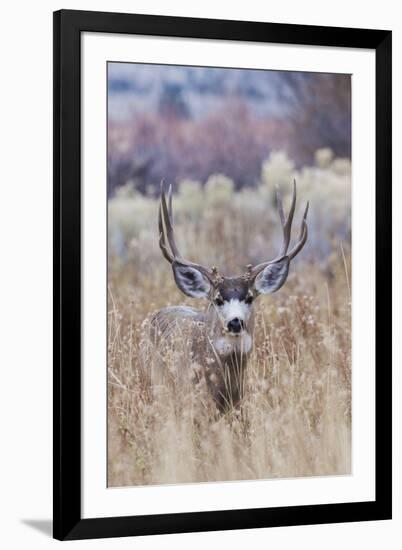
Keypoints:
(295, 418)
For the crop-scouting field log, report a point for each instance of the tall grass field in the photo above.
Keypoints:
(295, 417)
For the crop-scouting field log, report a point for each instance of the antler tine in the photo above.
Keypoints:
(162, 234)
(168, 223)
(160, 223)
(167, 239)
(166, 254)
(302, 236)
(286, 225)
(170, 207)
(162, 237)
(162, 241)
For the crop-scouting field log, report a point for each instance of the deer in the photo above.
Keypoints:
(220, 336)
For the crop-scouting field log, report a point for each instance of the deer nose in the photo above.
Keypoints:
(235, 325)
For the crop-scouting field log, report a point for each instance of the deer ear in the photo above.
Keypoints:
(191, 281)
(272, 277)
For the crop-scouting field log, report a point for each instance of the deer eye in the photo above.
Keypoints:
(218, 301)
(249, 299)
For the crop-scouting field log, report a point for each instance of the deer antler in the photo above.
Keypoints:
(167, 240)
(286, 223)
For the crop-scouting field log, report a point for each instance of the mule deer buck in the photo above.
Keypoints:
(220, 337)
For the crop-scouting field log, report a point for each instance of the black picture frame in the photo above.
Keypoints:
(68, 26)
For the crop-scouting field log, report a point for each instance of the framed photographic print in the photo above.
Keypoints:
(222, 274)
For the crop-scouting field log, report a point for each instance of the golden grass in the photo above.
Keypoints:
(295, 418)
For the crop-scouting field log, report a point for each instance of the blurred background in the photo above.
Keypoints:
(224, 138)
(175, 122)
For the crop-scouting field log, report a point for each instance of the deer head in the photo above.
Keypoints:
(230, 297)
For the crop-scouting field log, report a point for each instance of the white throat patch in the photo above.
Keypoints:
(226, 345)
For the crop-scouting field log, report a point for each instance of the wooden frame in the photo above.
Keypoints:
(68, 522)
